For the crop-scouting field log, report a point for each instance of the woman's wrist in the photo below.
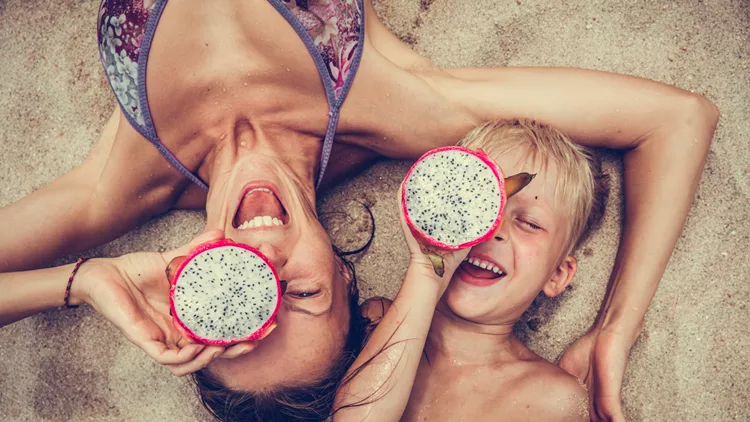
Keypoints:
(79, 288)
(616, 321)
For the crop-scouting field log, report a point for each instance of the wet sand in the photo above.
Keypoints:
(692, 361)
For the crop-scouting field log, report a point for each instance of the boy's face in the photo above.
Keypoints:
(526, 251)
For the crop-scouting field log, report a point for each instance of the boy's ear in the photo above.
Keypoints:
(562, 277)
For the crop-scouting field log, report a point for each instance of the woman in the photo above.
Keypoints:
(234, 101)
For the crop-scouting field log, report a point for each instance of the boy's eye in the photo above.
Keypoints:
(530, 225)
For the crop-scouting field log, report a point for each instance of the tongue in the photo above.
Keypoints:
(478, 272)
(259, 203)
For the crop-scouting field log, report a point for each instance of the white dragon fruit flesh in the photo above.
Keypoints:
(225, 293)
(453, 198)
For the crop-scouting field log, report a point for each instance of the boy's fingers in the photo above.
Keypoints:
(205, 357)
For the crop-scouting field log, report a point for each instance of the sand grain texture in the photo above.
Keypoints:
(692, 361)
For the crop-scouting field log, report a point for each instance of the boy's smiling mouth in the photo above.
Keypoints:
(480, 271)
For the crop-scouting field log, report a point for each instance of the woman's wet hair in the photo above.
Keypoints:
(311, 402)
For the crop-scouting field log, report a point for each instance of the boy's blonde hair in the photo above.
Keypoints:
(581, 185)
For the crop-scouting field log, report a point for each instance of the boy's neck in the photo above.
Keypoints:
(463, 342)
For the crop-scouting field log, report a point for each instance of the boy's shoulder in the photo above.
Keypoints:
(375, 308)
(551, 393)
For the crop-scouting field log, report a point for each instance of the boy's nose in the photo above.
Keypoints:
(502, 232)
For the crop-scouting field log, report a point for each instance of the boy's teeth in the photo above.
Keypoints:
(484, 265)
(261, 221)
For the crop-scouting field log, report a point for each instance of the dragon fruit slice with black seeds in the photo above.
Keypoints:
(453, 198)
(224, 293)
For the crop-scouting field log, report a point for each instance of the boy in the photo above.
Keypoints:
(445, 349)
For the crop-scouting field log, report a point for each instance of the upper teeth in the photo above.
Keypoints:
(484, 265)
(259, 221)
(259, 190)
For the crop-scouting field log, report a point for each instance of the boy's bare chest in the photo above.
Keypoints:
(468, 395)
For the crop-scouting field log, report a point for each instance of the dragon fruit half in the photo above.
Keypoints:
(453, 198)
(224, 293)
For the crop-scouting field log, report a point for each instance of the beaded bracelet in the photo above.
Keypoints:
(80, 261)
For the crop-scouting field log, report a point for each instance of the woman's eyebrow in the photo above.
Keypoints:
(295, 308)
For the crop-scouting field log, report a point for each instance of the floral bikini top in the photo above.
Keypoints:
(332, 31)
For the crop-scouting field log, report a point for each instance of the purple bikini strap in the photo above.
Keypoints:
(334, 104)
(149, 127)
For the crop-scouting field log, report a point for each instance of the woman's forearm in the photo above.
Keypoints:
(383, 374)
(661, 177)
(29, 292)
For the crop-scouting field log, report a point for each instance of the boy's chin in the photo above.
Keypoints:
(479, 310)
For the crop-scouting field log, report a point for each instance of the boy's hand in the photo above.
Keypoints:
(419, 262)
(598, 359)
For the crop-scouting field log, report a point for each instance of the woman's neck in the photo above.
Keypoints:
(296, 153)
(463, 342)
(287, 158)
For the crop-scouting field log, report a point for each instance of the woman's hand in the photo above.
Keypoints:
(598, 359)
(132, 291)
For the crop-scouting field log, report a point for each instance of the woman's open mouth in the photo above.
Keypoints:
(259, 208)
(480, 272)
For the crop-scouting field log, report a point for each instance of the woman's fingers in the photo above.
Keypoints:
(204, 237)
(238, 350)
(166, 356)
(200, 361)
(173, 265)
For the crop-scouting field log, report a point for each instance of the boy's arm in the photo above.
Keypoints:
(92, 204)
(665, 132)
(379, 383)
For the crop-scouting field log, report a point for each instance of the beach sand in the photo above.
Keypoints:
(691, 363)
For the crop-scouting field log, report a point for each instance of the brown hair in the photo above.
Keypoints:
(581, 183)
(312, 402)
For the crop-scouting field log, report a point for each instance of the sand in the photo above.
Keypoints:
(692, 361)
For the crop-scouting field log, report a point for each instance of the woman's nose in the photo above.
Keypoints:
(274, 254)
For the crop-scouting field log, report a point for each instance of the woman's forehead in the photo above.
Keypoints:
(300, 351)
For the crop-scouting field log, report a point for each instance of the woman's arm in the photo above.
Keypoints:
(110, 193)
(28, 293)
(131, 291)
(665, 132)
